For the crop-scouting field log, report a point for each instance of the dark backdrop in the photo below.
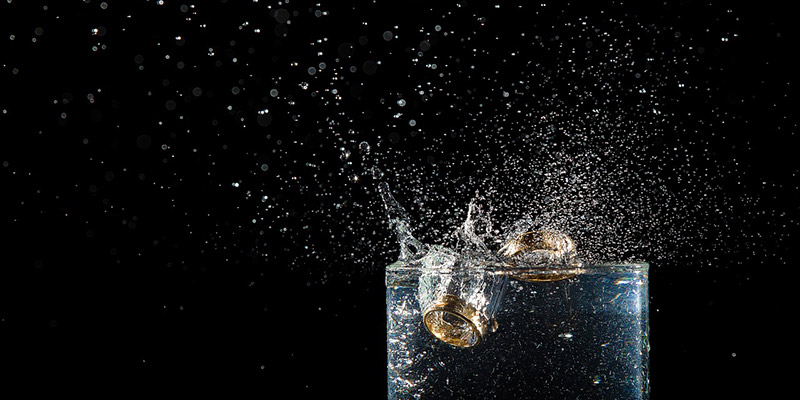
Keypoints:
(132, 150)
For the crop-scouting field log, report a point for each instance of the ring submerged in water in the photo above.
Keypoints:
(456, 323)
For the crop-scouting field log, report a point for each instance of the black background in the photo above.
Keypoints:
(139, 267)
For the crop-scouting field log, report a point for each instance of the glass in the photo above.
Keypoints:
(509, 333)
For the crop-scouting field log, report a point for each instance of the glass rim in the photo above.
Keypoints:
(502, 269)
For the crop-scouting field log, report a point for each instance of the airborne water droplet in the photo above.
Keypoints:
(377, 173)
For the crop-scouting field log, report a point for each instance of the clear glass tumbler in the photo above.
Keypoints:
(511, 333)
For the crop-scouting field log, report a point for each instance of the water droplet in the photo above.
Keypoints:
(377, 173)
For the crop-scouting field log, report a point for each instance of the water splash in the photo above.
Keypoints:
(399, 220)
(604, 126)
(477, 228)
(522, 248)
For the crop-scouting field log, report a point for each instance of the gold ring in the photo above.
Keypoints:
(455, 322)
(540, 249)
